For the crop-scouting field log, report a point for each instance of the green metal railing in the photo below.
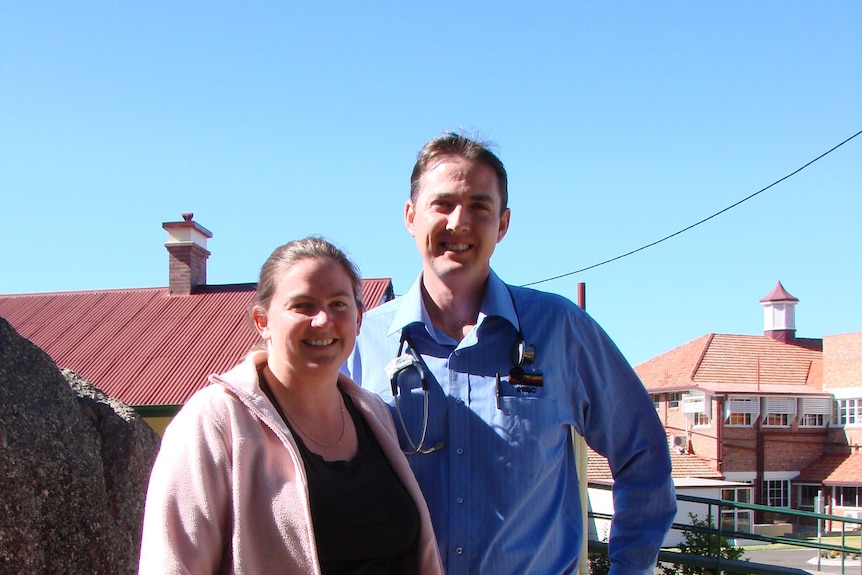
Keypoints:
(717, 564)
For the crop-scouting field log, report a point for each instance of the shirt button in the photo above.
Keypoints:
(459, 550)
(460, 500)
(460, 451)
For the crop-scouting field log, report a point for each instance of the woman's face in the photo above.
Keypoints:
(312, 321)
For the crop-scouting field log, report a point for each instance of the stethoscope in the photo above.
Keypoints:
(522, 354)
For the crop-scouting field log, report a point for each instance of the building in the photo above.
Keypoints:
(152, 348)
(778, 413)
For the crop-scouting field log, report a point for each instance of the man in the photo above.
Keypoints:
(485, 380)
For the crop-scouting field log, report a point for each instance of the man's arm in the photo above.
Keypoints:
(620, 423)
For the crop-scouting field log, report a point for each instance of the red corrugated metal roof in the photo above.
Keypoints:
(140, 345)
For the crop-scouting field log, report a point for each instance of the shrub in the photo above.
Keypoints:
(704, 544)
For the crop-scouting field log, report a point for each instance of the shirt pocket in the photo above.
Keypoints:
(517, 423)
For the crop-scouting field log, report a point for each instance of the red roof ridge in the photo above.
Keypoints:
(710, 337)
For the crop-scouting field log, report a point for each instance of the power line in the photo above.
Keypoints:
(706, 219)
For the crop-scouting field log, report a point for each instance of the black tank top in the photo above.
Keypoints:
(365, 521)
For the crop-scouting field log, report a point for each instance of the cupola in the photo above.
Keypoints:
(779, 314)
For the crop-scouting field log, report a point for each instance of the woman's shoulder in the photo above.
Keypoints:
(363, 398)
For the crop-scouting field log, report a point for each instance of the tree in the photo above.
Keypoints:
(703, 540)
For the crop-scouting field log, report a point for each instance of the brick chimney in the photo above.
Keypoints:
(779, 315)
(187, 249)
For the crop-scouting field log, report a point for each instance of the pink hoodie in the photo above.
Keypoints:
(228, 490)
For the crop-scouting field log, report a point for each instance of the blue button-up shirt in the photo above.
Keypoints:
(502, 484)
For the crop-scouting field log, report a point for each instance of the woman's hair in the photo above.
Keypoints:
(459, 144)
(284, 257)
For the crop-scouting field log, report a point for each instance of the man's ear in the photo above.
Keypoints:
(358, 321)
(504, 225)
(409, 215)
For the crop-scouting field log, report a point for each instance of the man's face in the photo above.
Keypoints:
(456, 220)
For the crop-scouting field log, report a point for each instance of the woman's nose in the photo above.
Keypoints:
(321, 318)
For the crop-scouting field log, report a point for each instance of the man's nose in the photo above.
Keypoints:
(458, 220)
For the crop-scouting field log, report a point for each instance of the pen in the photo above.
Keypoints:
(498, 391)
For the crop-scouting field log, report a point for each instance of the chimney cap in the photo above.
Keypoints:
(187, 230)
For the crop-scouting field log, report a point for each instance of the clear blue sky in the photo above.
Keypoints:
(619, 123)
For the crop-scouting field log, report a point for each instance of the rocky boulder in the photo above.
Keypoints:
(74, 466)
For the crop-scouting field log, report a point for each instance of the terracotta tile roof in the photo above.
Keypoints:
(683, 465)
(142, 346)
(834, 469)
(722, 363)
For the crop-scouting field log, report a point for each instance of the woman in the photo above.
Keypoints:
(283, 464)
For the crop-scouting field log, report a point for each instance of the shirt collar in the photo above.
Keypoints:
(498, 302)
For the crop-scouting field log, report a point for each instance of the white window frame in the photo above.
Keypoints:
(813, 420)
(673, 399)
(700, 420)
(732, 518)
(778, 411)
(848, 412)
(748, 407)
(782, 487)
(698, 409)
(848, 496)
(815, 411)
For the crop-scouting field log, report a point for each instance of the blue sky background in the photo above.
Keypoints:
(619, 123)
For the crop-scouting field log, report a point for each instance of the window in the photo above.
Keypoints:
(849, 412)
(741, 411)
(700, 420)
(698, 409)
(733, 519)
(673, 400)
(779, 411)
(654, 397)
(848, 497)
(742, 419)
(807, 497)
(815, 411)
(813, 420)
(777, 492)
(777, 420)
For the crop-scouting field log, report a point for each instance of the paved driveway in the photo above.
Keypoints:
(804, 559)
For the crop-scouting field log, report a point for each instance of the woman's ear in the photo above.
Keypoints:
(261, 322)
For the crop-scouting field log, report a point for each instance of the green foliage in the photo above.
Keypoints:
(600, 564)
(704, 544)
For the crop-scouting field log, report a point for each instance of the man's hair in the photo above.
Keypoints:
(454, 143)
